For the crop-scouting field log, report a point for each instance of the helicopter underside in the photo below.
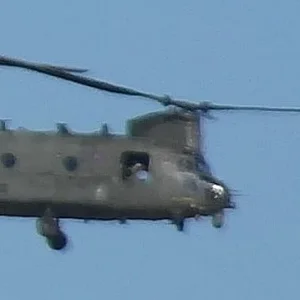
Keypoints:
(96, 211)
(48, 215)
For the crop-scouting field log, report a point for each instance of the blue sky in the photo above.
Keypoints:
(225, 51)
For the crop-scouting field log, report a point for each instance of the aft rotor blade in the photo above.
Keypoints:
(12, 62)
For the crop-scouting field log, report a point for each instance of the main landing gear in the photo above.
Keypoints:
(179, 223)
(48, 227)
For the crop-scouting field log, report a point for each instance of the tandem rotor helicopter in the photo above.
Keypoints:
(156, 171)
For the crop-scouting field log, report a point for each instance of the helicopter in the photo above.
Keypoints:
(156, 171)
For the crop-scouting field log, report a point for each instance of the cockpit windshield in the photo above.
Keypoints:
(202, 165)
(190, 181)
(193, 183)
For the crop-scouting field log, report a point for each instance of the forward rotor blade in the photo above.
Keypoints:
(206, 106)
(12, 62)
(93, 83)
(63, 73)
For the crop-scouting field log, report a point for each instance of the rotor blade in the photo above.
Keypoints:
(93, 83)
(211, 106)
(12, 62)
(67, 69)
(206, 107)
(62, 73)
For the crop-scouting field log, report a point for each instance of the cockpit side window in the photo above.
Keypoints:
(202, 165)
(190, 181)
(191, 185)
(186, 164)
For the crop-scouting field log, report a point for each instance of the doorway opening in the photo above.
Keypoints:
(135, 163)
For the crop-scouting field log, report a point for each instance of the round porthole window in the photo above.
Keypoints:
(70, 163)
(8, 160)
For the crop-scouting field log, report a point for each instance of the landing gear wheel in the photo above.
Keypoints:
(180, 225)
(218, 219)
(58, 241)
(179, 222)
(48, 227)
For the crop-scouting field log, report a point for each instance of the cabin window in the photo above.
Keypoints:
(70, 163)
(135, 163)
(8, 160)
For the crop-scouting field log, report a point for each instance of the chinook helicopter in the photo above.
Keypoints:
(156, 171)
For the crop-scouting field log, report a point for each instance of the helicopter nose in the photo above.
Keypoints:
(222, 195)
(218, 192)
